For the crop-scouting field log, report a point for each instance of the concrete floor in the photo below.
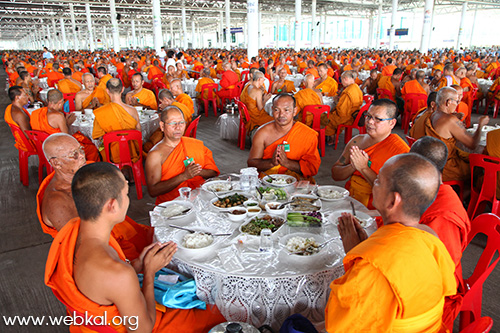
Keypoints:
(24, 247)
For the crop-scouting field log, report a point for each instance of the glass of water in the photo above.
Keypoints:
(184, 193)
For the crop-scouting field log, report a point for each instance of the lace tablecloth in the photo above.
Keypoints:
(484, 85)
(252, 286)
(85, 125)
(326, 101)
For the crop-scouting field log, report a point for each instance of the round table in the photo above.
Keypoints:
(258, 287)
(484, 85)
(297, 80)
(363, 75)
(326, 101)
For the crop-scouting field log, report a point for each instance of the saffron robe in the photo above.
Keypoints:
(257, 117)
(303, 98)
(329, 87)
(101, 95)
(199, 86)
(350, 101)
(68, 87)
(147, 98)
(8, 119)
(188, 102)
(228, 83)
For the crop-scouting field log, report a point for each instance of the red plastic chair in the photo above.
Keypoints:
(71, 100)
(476, 101)
(410, 140)
(487, 192)
(245, 76)
(210, 89)
(493, 101)
(123, 138)
(489, 225)
(240, 85)
(23, 155)
(457, 183)
(368, 99)
(355, 125)
(482, 325)
(244, 118)
(38, 137)
(411, 108)
(317, 111)
(191, 130)
(384, 93)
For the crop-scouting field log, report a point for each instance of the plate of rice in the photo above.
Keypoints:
(303, 245)
(331, 193)
(198, 245)
(279, 180)
(175, 209)
(218, 186)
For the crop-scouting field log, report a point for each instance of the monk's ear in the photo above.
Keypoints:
(295, 109)
(393, 200)
(162, 126)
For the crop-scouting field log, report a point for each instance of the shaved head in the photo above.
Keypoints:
(55, 143)
(170, 110)
(54, 96)
(433, 149)
(444, 94)
(420, 75)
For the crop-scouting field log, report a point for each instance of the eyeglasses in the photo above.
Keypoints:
(74, 155)
(454, 100)
(175, 124)
(377, 120)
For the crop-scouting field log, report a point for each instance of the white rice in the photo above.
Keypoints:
(299, 244)
(219, 187)
(173, 210)
(197, 240)
(328, 193)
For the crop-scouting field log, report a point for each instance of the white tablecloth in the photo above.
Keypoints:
(258, 287)
(326, 101)
(297, 80)
(43, 94)
(363, 75)
(149, 124)
(484, 85)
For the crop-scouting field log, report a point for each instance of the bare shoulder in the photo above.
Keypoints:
(359, 140)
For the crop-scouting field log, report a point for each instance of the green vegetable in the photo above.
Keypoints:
(280, 194)
(300, 220)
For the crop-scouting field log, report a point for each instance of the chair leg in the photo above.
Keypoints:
(337, 136)
(214, 104)
(347, 135)
(495, 108)
(322, 143)
(23, 168)
(205, 104)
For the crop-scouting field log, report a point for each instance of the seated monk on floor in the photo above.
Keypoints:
(308, 96)
(16, 115)
(140, 96)
(281, 85)
(448, 218)
(365, 154)
(254, 96)
(443, 124)
(228, 82)
(326, 85)
(403, 267)
(116, 116)
(52, 119)
(350, 101)
(284, 146)
(418, 129)
(180, 96)
(68, 85)
(91, 97)
(88, 271)
(177, 161)
(55, 205)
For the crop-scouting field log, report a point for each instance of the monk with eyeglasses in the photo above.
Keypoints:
(365, 154)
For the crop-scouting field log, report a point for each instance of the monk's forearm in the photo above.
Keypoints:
(208, 173)
(149, 295)
(342, 172)
(260, 163)
(166, 186)
(368, 174)
(292, 165)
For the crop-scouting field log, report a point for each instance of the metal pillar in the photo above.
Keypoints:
(432, 24)
(259, 28)
(193, 33)
(370, 31)
(63, 31)
(379, 23)
(114, 26)
(228, 25)
(473, 26)
(393, 24)
(290, 27)
(461, 29)
(277, 31)
(184, 30)
(172, 36)
(157, 35)
(325, 22)
(313, 24)
(134, 37)
(50, 40)
(427, 27)
(253, 38)
(104, 40)
(298, 11)
(73, 27)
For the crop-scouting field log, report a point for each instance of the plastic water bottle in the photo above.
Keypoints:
(245, 182)
(266, 243)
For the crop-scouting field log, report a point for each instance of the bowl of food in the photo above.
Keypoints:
(262, 221)
(272, 193)
(217, 186)
(179, 211)
(274, 208)
(252, 211)
(224, 203)
(278, 180)
(251, 203)
(304, 219)
(237, 214)
(197, 245)
(331, 193)
(304, 203)
(302, 244)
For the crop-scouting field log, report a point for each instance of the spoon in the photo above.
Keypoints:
(274, 179)
(353, 210)
(261, 194)
(284, 204)
(193, 231)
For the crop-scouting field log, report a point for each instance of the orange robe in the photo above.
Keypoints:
(8, 119)
(379, 153)
(414, 87)
(395, 281)
(188, 113)
(202, 81)
(147, 98)
(388, 70)
(187, 101)
(437, 67)
(464, 108)
(77, 76)
(228, 84)
(288, 85)
(113, 117)
(448, 218)
(103, 81)
(59, 277)
(257, 117)
(446, 81)
(154, 71)
(174, 165)
(329, 87)
(303, 143)
(492, 89)
(418, 129)
(39, 122)
(467, 99)
(312, 71)
(131, 236)
(98, 93)
(386, 83)
(457, 165)
(53, 77)
(493, 148)
(303, 98)
(68, 87)
(350, 101)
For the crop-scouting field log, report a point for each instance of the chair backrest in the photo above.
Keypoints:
(19, 136)
(191, 130)
(122, 138)
(243, 112)
(474, 93)
(157, 76)
(411, 102)
(239, 87)
(38, 137)
(368, 99)
(210, 89)
(490, 165)
(384, 93)
(245, 76)
(71, 99)
(410, 140)
(361, 113)
(317, 111)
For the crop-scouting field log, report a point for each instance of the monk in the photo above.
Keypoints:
(282, 85)
(16, 115)
(389, 68)
(468, 88)
(308, 96)
(417, 86)
(91, 97)
(311, 69)
(284, 146)
(140, 96)
(228, 82)
(88, 271)
(326, 85)
(448, 78)
(177, 161)
(54, 75)
(493, 149)
(462, 108)
(103, 76)
(365, 154)
(77, 74)
(180, 96)
(350, 101)
(55, 205)
(491, 90)
(166, 98)
(116, 116)
(204, 79)
(370, 85)
(448, 218)
(418, 129)
(391, 83)
(68, 85)
(403, 267)
(254, 96)
(443, 124)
